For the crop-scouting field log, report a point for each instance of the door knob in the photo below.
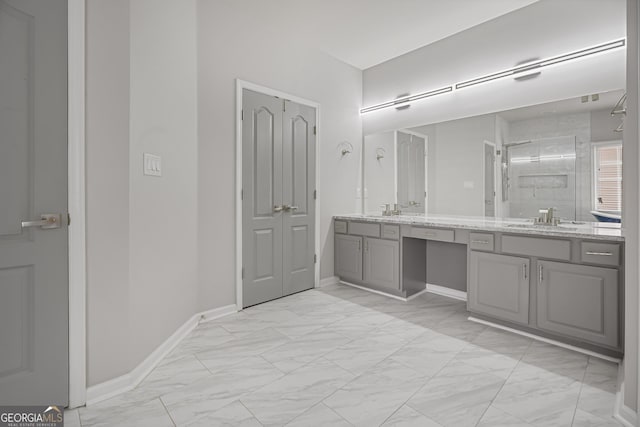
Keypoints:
(46, 221)
(290, 208)
(279, 208)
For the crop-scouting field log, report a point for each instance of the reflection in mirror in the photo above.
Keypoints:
(565, 155)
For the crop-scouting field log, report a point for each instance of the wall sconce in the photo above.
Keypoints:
(380, 152)
(345, 148)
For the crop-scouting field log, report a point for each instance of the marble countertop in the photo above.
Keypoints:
(579, 229)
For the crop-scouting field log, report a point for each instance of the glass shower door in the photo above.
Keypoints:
(542, 174)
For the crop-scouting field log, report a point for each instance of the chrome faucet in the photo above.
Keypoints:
(396, 210)
(546, 217)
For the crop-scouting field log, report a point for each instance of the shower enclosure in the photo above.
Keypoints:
(540, 173)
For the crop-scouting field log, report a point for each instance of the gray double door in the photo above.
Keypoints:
(33, 182)
(278, 197)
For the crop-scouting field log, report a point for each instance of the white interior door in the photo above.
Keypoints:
(33, 181)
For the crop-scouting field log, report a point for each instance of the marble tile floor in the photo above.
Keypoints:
(340, 356)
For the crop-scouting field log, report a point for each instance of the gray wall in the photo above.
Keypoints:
(264, 50)
(141, 232)
(455, 161)
(379, 174)
(107, 183)
(162, 217)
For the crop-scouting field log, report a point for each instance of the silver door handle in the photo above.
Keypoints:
(599, 253)
(480, 242)
(540, 274)
(289, 208)
(278, 208)
(46, 221)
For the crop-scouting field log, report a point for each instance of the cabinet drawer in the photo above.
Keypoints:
(390, 231)
(432, 234)
(364, 229)
(532, 246)
(481, 241)
(340, 227)
(600, 253)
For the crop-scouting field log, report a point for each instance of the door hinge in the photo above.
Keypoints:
(284, 105)
(241, 114)
(315, 130)
(315, 194)
(68, 218)
(315, 258)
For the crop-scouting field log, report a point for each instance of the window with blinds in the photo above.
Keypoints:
(608, 177)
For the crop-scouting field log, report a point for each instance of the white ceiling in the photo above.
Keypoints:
(365, 33)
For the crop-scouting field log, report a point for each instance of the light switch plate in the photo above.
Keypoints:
(152, 165)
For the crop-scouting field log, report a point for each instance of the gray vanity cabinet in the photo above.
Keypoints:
(348, 257)
(579, 301)
(382, 263)
(499, 286)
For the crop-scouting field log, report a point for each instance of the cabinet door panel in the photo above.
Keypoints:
(579, 301)
(348, 252)
(499, 286)
(382, 263)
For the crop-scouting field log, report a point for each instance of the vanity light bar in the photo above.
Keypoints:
(407, 99)
(543, 63)
(506, 73)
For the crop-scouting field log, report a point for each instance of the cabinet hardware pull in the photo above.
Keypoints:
(358, 245)
(600, 253)
(481, 242)
(540, 274)
(524, 269)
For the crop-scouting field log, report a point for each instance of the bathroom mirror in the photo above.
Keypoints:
(565, 155)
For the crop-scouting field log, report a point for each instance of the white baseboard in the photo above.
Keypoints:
(625, 415)
(546, 340)
(128, 381)
(374, 291)
(447, 292)
(327, 281)
(417, 294)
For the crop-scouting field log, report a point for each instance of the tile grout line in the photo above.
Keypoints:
(503, 384)
(167, 411)
(248, 410)
(573, 418)
(420, 388)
